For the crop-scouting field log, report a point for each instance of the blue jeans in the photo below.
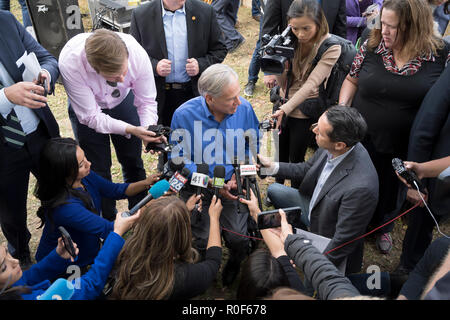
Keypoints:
(283, 196)
(226, 12)
(255, 7)
(5, 5)
(255, 63)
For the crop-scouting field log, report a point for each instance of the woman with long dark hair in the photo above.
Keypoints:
(299, 85)
(70, 195)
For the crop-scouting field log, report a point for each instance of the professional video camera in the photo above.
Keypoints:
(160, 130)
(276, 51)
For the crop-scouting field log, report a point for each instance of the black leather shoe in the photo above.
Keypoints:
(236, 45)
(230, 272)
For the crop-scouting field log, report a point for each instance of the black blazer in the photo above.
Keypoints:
(14, 42)
(205, 39)
(276, 10)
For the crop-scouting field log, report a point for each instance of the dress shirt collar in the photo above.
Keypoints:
(207, 113)
(164, 11)
(335, 161)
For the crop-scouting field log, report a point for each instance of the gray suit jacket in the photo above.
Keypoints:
(345, 204)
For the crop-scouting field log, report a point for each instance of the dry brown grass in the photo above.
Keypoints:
(240, 61)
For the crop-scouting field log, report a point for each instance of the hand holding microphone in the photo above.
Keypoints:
(155, 192)
(219, 179)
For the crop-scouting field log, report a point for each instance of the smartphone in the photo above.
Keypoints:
(68, 243)
(43, 83)
(272, 219)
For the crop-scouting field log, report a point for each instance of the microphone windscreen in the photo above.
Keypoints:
(61, 289)
(203, 168)
(219, 171)
(159, 188)
(176, 164)
(185, 172)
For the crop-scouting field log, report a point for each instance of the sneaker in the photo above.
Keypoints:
(384, 243)
(249, 89)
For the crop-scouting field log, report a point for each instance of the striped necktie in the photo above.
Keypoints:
(12, 130)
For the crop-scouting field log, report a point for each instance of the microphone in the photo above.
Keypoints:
(200, 178)
(61, 289)
(242, 208)
(156, 191)
(171, 166)
(178, 180)
(247, 171)
(219, 179)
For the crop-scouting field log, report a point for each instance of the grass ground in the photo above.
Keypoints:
(240, 61)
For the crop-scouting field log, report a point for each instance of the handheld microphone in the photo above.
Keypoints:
(170, 167)
(242, 208)
(178, 180)
(409, 175)
(155, 192)
(258, 161)
(219, 179)
(247, 171)
(61, 289)
(200, 178)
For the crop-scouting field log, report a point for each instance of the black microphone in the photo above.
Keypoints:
(200, 178)
(172, 166)
(219, 179)
(242, 208)
(179, 179)
(155, 192)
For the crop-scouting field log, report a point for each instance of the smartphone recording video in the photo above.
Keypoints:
(272, 219)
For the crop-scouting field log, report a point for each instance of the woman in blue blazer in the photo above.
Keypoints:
(71, 194)
(30, 284)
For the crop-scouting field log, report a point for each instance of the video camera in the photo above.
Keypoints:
(160, 130)
(276, 51)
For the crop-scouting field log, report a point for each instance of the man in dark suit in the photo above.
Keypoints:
(26, 124)
(339, 185)
(193, 27)
(429, 140)
(275, 21)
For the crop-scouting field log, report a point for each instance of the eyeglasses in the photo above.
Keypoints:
(116, 92)
(313, 126)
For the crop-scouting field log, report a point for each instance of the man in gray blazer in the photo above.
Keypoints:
(339, 185)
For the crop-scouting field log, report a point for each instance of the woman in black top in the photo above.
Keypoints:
(158, 262)
(265, 270)
(390, 76)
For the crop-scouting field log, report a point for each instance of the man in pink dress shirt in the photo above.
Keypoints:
(109, 81)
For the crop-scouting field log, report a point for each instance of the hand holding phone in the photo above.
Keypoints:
(68, 243)
(43, 82)
(272, 218)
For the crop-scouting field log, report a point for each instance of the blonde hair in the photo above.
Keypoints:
(106, 51)
(146, 264)
(416, 27)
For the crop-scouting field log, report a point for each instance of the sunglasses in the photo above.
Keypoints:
(116, 92)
